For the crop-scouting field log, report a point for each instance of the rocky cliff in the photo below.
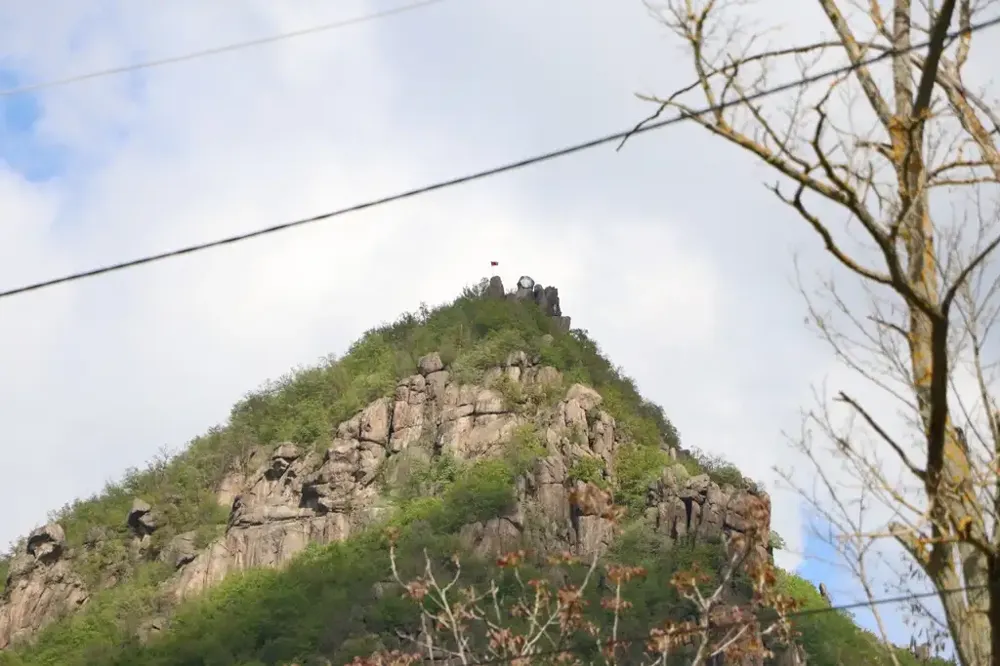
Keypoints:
(282, 500)
(283, 497)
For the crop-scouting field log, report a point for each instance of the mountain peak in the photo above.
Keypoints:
(480, 426)
(546, 298)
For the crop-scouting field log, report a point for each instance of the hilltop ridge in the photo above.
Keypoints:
(469, 425)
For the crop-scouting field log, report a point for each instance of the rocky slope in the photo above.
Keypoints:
(328, 452)
(282, 500)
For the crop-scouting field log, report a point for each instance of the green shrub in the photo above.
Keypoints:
(691, 464)
(636, 466)
(512, 391)
(484, 490)
(491, 352)
(426, 477)
(447, 494)
(728, 474)
(589, 470)
(524, 449)
(429, 509)
(720, 470)
(578, 434)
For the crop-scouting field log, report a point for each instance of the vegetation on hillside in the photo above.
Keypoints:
(832, 637)
(335, 602)
(471, 334)
(329, 603)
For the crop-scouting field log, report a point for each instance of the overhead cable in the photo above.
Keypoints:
(194, 55)
(479, 175)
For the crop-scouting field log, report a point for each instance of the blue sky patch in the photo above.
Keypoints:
(20, 146)
(822, 563)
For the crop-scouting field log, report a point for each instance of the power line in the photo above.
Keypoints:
(731, 625)
(511, 166)
(219, 49)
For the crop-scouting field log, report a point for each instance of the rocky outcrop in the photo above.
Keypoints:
(681, 505)
(281, 500)
(297, 497)
(547, 298)
(141, 520)
(179, 551)
(41, 586)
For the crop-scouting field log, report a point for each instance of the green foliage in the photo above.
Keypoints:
(691, 464)
(832, 638)
(521, 399)
(110, 620)
(512, 391)
(472, 334)
(326, 604)
(775, 541)
(635, 467)
(492, 351)
(589, 469)
(304, 405)
(429, 509)
(720, 470)
(829, 638)
(484, 490)
(582, 361)
(447, 494)
(332, 603)
(654, 596)
(524, 449)
(727, 474)
(179, 487)
(427, 478)
(578, 434)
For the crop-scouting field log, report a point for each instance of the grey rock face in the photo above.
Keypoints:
(495, 288)
(547, 298)
(180, 550)
(41, 586)
(319, 497)
(46, 543)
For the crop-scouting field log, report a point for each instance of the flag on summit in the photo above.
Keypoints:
(493, 263)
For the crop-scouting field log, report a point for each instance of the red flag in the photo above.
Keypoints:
(493, 263)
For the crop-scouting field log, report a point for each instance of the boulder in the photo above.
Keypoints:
(41, 586)
(47, 543)
(495, 288)
(282, 459)
(430, 363)
(141, 519)
(179, 551)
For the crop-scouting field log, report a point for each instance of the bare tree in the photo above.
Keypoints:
(907, 153)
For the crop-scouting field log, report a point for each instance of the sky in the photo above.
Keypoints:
(690, 290)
